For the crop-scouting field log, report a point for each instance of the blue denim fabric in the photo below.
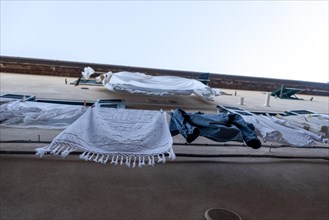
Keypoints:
(216, 127)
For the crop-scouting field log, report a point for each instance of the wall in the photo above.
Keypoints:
(73, 69)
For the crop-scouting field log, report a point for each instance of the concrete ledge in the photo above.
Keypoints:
(73, 69)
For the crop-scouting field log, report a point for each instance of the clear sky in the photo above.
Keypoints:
(274, 39)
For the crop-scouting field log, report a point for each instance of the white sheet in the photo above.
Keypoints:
(312, 124)
(134, 82)
(278, 131)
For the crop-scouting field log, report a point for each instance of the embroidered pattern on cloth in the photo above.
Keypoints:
(118, 136)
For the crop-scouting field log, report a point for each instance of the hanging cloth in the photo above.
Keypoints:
(216, 127)
(30, 114)
(118, 136)
(270, 130)
(141, 83)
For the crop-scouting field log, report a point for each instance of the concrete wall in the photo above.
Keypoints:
(73, 69)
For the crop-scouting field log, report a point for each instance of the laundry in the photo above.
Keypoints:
(140, 83)
(118, 136)
(310, 128)
(39, 115)
(273, 130)
(216, 127)
(316, 124)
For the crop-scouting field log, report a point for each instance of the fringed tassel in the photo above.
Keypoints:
(134, 163)
(66, 152)
(42, 151)
(172, 154)
(153, 160)
(107, 158)
(90, 158)
(54, 151)
(115, 161)
(161, 158)
(83, 155)
(87, 156)
(96, 158)
(149, 161)
(141, 161)
(101, 159)
(60, 150)
(128, 160)
(112, 161)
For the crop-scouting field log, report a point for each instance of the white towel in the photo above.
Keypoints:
(119, 136)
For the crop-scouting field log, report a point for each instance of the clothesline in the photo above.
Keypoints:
(45, 115)
(127, 133)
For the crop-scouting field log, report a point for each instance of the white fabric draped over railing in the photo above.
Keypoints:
(118, 136)
(159, 85)
(287, 130)
(39, 115)
(140, 83)
(280, 130)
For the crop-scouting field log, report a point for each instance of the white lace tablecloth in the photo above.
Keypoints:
(119, 136)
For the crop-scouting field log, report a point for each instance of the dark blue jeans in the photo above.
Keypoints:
(216, 127)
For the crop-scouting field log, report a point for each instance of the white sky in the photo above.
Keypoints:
(274, 39)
